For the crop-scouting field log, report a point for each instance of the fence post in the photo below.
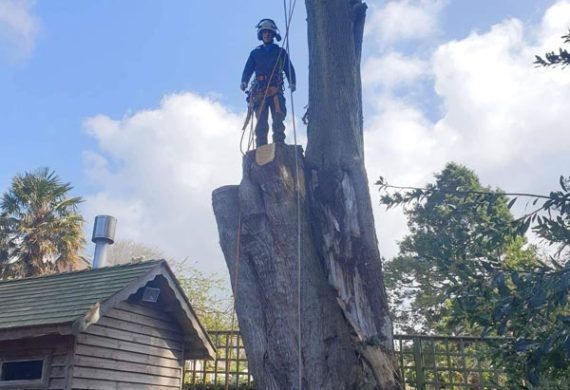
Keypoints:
(418, 363)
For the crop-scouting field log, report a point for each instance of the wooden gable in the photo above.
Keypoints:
(124, 327)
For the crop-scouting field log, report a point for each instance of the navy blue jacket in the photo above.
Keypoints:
(262, 61)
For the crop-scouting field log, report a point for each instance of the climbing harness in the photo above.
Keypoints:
(254, 93)
(265, 154)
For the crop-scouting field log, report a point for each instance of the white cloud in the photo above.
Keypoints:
(156, 170)
(400, 145)
(503, 109)
(392, 70)
(555, 23)
(18, 29)
(501, 116)
(404, 20)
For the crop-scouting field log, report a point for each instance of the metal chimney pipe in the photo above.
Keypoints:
(103, 236)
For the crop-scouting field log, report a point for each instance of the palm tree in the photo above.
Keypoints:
(40, 228)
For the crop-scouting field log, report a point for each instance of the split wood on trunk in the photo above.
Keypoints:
(346, 330)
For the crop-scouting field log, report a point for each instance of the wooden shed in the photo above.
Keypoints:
(122, 327)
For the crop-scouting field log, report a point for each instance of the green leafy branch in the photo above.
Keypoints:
(525, 300)
(549, 220)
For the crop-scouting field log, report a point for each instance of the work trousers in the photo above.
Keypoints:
(275, 103)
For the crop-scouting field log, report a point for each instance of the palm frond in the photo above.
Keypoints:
(39, 225)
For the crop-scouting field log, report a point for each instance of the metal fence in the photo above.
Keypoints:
(425, 362)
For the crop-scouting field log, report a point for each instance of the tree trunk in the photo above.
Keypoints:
(346, 331)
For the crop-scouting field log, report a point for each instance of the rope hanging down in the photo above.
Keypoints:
(288, 17)
(250, 106)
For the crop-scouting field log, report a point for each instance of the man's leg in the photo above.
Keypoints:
(262, 126)
(278, 112)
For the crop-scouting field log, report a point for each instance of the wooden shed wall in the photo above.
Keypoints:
(58, 348)
(132, 347)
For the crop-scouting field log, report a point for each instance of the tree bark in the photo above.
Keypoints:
(346, 331)
(335, 157)
(263, 209)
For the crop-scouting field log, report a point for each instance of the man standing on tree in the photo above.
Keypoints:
(268, 61)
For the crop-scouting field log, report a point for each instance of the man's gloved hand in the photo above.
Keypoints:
(243, 86)
(292, 87)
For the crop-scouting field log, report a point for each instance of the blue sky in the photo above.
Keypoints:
(136, 102)
(114, 57)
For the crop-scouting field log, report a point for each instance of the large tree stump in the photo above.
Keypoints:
(263, 209)
(346, 330)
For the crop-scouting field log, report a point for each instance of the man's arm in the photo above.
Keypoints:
(247, 71)
(290, 72)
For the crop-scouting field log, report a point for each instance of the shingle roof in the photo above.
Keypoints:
(68, 303)
(63, 298)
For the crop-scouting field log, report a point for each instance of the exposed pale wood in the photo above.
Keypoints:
(265, 154)
(266, 301)
(90, 384)
(121, 376)
(343, 220)
(126, 356)
(87, 361)
(92, 340)
(346, 330)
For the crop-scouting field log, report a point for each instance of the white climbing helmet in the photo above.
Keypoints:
(267, 24)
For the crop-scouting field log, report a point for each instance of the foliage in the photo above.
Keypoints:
(553, 59)
(127, 251)
(446, 234)
(205, 292)
(526, 299)
(40, 227)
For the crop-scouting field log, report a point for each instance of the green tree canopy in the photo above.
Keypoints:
(506, 290)
(447, 236)
(40, 227)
